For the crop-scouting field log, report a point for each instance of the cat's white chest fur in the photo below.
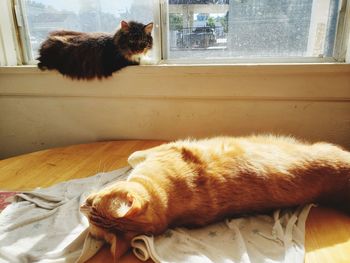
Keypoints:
(142, 59)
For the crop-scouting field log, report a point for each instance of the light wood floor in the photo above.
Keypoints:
(327, 230)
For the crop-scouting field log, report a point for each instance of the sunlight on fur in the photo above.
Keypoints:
(193, 183)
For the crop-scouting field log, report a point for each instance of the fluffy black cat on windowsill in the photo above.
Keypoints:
(81, 55)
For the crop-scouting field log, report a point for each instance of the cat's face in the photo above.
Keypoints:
(134, 38)
(120, 208)
(117, 214)
(110, 206)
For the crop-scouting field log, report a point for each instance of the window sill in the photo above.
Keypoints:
(273, 82)
(193, 66)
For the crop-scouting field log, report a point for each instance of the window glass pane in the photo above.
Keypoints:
(251, 28)
(44, 16)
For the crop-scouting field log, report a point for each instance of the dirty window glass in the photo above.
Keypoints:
(251, 28)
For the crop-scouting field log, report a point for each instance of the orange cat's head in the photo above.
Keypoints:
(118, 213)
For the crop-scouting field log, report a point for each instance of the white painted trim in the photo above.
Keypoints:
(304, 82)
(44, 110)
(157, 32)
(343, 33)
(347, 57)
(3, 59)
(164, 19)
(23, 30)
(254, 60)
(319, 16)
(346, 37)
(8, 51)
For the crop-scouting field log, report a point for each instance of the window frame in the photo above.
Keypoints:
(342, 40)
(22, 44)
(23, 31)
(9, 50)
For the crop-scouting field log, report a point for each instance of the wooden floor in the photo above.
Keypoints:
(327, 230)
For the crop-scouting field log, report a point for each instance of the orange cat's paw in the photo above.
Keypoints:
(136, 158)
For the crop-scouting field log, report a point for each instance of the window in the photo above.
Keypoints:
(42, 16)
(197, 30)
(252, 28)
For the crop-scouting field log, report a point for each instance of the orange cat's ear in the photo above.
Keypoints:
(124, 25)
(148, 28)
(128, 206)
(136, 206)
(86, 206)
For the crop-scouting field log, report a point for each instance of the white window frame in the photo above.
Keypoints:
(342, 44)
(16, 47)
(9, 50)
(23, 31)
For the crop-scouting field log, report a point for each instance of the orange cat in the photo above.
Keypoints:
(194, 183)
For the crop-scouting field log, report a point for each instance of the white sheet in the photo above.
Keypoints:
(45, 225)
(262, 238)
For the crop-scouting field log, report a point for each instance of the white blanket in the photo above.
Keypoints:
(260, 238)
(45, 225)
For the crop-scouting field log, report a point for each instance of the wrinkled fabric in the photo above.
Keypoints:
(45, 225)
(256, 239)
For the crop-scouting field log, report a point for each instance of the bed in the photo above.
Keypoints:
(327, 230)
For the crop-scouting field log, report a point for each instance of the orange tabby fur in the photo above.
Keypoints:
(194, 183)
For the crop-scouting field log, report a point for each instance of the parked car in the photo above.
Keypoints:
(200, 37)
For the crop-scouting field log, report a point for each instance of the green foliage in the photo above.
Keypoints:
(224, 22)
(211, 22)
(175, 21)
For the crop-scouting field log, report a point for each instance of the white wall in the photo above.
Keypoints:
(43, 110)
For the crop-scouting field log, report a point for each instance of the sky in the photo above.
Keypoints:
(110, 6)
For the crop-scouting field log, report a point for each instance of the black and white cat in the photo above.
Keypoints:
(81, 55)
